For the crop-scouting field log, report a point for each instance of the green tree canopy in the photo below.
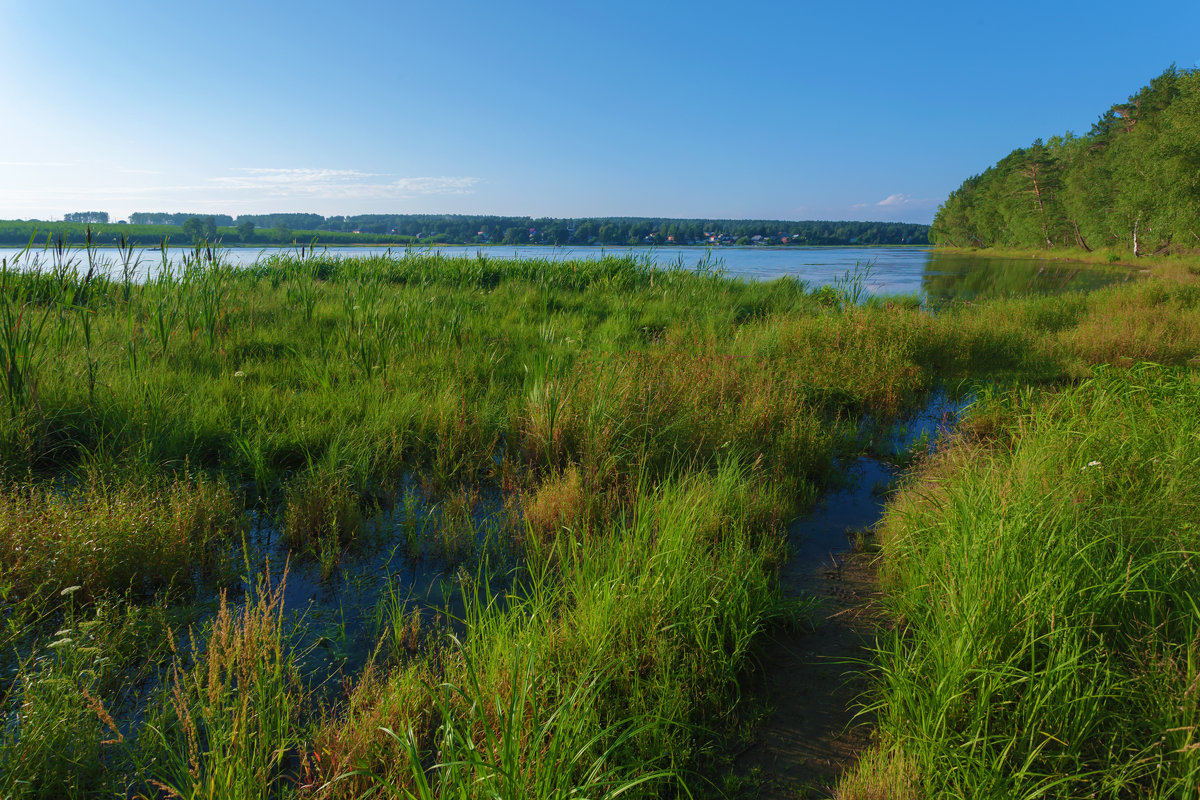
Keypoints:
(1133, 182)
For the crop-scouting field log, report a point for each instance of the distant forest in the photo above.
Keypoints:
(1131, 184)
(148, 228)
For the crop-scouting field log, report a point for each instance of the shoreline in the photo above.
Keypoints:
(568, 248)
(1099, 257)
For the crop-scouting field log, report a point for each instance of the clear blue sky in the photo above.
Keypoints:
(800, 110)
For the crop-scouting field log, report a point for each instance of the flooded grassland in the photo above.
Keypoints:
(326, 526)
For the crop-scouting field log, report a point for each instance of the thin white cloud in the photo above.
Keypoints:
(36, 164)
(898, 200)
(338, 183)
(443, 185)
(296, 179)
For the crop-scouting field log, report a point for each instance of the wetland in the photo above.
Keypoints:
(439, 524)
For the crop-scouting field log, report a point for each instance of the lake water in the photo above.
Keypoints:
(936, 277)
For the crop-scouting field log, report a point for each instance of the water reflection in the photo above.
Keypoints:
(962, 278)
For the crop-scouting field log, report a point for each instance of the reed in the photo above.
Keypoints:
(24, 312)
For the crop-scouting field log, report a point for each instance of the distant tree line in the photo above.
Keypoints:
(183, 229)
(193, 229)
(100, 217)
(470, 229)
(1132, 183)
(21, 232)
(161, 218)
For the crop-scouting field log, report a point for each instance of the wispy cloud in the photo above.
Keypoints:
(36, 164)
(443, 185)
(339, 183)
(258, 187)
(898, 200)
(292, 179)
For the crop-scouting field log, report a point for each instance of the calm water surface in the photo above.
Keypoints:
(936, 277)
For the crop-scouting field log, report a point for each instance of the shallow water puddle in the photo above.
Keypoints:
(812, 538)
(401, 565)
(809, 677)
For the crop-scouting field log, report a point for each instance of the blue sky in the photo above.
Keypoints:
(852, 110)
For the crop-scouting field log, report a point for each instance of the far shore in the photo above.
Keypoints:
(491, 246)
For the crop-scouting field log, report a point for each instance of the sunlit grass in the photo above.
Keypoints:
(595, 458)
(1045, 582)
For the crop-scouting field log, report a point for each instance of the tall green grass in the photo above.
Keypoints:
(648, 430)
(1045, 580)
(596, 675)
(230, 720)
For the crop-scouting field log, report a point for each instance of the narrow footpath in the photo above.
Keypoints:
(814, 679)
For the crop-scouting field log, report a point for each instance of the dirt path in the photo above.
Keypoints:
(812, 679)
(811, 682)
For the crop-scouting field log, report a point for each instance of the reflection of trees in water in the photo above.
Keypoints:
(949, 277)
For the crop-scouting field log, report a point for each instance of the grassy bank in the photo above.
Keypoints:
(1039, 573)
(1042, 572)
(1177, 266)
(172, 450)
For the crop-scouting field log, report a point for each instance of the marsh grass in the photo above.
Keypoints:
(520, 746)
(322, 515)
(648, 431)
(1046, 584)
(229, 721)
(595, 673)
(63, 740)
(138, 537)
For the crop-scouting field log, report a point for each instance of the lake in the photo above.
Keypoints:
(936, 277)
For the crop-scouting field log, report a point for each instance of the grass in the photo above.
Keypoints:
(229, 721)
(1043, 573)
(1175, 266)
(640, 638)
(591, 461)
(134, 538)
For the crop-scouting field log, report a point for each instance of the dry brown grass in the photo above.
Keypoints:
(880, 775)
(355, 740)
(139, 537)
(560, 501)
